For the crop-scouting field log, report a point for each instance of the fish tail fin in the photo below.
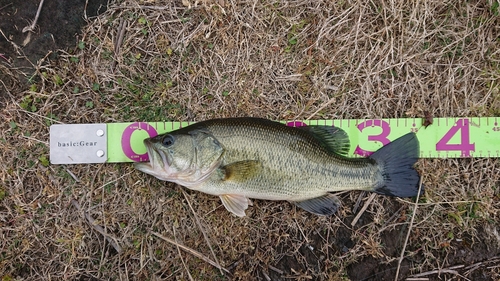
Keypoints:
(396, 161)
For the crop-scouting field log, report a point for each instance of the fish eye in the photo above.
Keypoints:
(167, 141)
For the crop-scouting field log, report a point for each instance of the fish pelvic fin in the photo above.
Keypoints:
(241, 171)
(325, 205)
(396, 160)
(236, 204)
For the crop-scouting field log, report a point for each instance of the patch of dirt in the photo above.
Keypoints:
(467, 256)
(57, 27)
(462, 257)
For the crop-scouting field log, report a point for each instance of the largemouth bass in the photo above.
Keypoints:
(242, 158)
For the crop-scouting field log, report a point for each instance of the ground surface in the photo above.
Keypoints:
(57, 27)
(161, 60)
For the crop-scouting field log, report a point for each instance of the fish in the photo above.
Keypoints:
(244, 158)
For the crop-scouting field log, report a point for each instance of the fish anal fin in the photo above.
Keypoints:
(325, 205)
(241, 171)
(333, 138)
(236, 204)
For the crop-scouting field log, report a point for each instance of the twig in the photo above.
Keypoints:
(37, 140)
(330, 101)
(266, 276)
(234, 264)
(476, 265)
(121, 33)
(85, 9)
(450, 270)
(365, 206)
(33, 24)
(280, 272)
(72, 175)
(358, 202)
(397, 213)
(302, 232)
(142, 7)
(3, 57)
(16, 47)
(3, 7)
(180, 255)
(409, 231)
(31, 27)
(202, 231)
(189, 250)
(437, 271)
(98, 228)
(292, 77)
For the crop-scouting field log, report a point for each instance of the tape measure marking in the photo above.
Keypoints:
(446, 138)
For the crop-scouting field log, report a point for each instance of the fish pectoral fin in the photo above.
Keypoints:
(333, 138)
(241, 171)
(236, 204)
(325, 205)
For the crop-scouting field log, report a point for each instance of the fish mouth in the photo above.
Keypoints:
(158, 161)
(157, 158)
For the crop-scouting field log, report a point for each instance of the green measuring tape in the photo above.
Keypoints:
(123, 142)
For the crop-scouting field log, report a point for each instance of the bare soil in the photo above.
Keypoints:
(57, 28)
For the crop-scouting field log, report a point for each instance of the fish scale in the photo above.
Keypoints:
(242, 158)
(295, 158)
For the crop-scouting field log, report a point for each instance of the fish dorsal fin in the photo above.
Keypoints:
(334, 139)
(325, 205)
(241, 171)
(236, 204)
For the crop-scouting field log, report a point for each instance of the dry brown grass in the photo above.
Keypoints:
(273, 59)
